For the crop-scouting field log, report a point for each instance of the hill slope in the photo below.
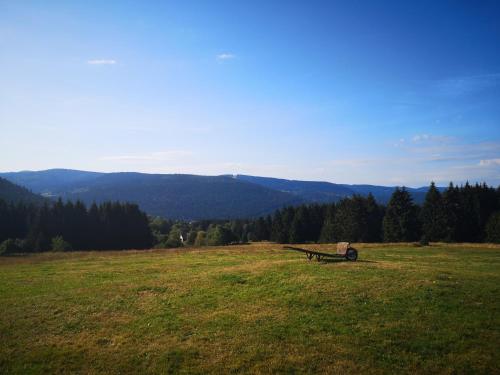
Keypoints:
(191, 197)
(185, 197)
(316, 191)
(11, 192)
(311, 191)
(51, 180)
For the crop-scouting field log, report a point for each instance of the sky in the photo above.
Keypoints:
(375, 92)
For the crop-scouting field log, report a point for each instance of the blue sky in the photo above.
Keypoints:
(379, 92)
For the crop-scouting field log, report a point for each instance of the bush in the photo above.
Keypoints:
(58, 244)
(201, 238)
(174, 238)
(215, 235)
(192, 237)
(10, 246)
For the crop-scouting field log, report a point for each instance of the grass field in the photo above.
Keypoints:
(253, 309)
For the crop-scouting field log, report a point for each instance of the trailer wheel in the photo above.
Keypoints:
(351, 254)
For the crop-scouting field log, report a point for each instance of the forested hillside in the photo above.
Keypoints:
(326, 192)
(10, 192)
(49, 181)
(183, 197)
(460, 214)
(191, 197)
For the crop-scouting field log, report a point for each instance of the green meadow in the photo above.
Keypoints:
(252, 309)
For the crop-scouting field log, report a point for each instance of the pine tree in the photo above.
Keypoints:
(493, 228)
(328, 229)
(316, 219)
(299, 227)
(400, 223)
(261, 231)
(453, 213)
(280, 229)
(433, 216)
(346, 223)
(469, 226)
(374, 215)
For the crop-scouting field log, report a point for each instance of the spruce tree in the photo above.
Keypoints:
(400, 223)
(328, 229)
(300, 225)
(470, 230)
(493, 228)
(374, 215)
(433, 216)
(453, 213)
(350, 219)
(281, 225)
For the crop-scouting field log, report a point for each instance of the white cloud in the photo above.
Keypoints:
(489, 162)
(420, 137)
(225, 56)
(431, 138)
(101, 62)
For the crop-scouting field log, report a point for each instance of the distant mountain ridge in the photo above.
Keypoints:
(323, 192)
(193, 197)
(176, 196)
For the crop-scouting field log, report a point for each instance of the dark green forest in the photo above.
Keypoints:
(11, 192)
(469, 213)
(71, 226)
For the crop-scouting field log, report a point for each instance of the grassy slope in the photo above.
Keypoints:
(254, 309)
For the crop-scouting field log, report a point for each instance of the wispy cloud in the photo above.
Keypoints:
(420, 138)
(169, 155)
(459, 86)
(489, 162)
(225, 56)
(102, 62)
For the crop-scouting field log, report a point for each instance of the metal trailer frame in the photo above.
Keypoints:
(344, 251)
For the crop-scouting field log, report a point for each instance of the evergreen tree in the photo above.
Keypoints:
(433, 215)
(453, 213)
(59, 244)
(261, 231)
(351, 219)
(374, 217)
(280, 231)
(316, 219)
(469, 225)
(493, 228)
(299, 226)
(400, 222)
(328, 229)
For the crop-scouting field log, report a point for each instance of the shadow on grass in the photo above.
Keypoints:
(333, 260)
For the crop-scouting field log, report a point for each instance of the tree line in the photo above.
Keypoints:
(469, 213)
(65, 226)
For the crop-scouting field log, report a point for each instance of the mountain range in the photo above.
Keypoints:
(193, 197)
